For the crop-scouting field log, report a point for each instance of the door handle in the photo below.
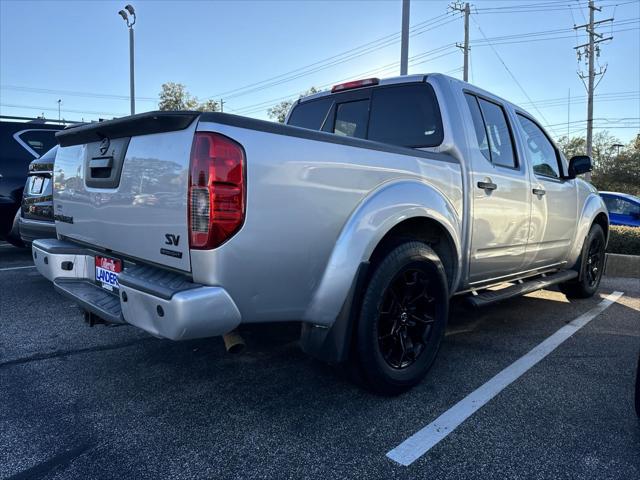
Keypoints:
(539, 191)
(487, 185)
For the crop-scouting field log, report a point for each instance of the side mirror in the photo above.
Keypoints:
(579, 164)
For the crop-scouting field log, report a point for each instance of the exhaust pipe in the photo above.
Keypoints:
(233, 342)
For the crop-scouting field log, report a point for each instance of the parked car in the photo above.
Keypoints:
(36, 213)
(624, 209)
(360, 218)
(21, 141)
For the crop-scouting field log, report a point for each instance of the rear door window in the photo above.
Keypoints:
(351, 119)
(406, 115)
(478, 125)
(498, 133)
(310, 114)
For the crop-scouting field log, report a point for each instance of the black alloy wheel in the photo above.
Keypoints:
(402, 319)
(595, 261)
(590, 264)
(406, 317)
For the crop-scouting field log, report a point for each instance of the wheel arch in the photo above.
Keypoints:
(405, 209)
(594, 211)
(426, 230)
(603, 220)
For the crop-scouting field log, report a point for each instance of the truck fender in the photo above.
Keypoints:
(376, 215)
(593, 207)
(328, 316)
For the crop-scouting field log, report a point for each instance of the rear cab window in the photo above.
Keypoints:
(310, 114)
(493, 131)
(405, 115)
(351, 119)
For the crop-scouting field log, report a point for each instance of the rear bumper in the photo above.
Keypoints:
(31, 230)
(160, 302)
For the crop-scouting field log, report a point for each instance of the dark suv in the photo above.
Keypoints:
(21, 141)
(36, 214)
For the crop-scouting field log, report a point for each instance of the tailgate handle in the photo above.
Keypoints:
(103, 162)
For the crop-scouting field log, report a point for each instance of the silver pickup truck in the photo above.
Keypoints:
(360, 218)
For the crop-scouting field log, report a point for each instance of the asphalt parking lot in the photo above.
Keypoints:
(114, 402)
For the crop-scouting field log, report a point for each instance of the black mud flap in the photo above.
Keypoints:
(333, 344)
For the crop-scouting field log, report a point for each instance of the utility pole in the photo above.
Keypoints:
(221, 105)
(404, 46)
(591, 49)
(59, 102)
(128, 14)
(466, 9)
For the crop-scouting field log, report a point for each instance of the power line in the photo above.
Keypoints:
(504, 40)
(412, 60)
(55, 109)
(511, 74)
(73, 93)
(337, 59)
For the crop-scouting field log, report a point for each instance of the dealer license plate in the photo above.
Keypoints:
(107, 271)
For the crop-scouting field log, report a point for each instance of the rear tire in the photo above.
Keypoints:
(13, 237)
(591, 266)
(402, 319)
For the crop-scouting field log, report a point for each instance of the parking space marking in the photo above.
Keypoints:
(422, 441)
(16, 268)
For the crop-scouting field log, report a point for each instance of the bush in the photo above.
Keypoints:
(624, 240)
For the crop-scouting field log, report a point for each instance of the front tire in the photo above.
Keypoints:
(402, 319)
(591, 266)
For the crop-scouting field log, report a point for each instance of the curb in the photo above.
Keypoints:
(617, 265)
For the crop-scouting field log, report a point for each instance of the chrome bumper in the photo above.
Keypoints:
(160, 302)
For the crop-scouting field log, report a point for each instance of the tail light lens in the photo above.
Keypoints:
(216, 190)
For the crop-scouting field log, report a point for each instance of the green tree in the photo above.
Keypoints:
(279, 112)
(612, 170)
(174, 96)
(572, 146)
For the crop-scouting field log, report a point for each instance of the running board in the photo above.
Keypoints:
(526, 286)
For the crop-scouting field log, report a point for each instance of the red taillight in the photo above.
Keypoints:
(355, 84)
(216, 190)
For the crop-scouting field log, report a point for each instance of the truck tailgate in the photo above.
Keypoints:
(122, 185)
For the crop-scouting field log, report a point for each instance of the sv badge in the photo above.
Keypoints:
(172, 239)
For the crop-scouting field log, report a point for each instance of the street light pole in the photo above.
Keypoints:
(404, 45)
(130, 23)
(132, 88)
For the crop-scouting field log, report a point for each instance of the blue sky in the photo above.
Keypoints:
(78, 51)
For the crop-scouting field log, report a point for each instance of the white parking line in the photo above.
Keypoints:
(422, 441)
(15, 268)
